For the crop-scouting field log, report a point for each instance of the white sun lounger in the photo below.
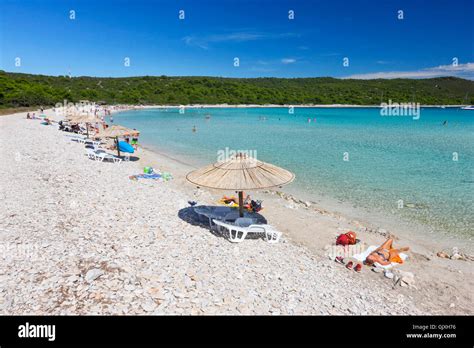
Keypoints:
(101, 155)
(238, 233)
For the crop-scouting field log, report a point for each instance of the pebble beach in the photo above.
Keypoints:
(79, 237)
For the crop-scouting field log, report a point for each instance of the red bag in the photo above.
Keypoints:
(348, 238)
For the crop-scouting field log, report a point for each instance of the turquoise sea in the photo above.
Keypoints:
(390, 159)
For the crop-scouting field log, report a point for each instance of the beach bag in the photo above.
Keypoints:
(348, 238)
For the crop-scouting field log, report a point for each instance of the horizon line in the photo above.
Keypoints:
(242, 78)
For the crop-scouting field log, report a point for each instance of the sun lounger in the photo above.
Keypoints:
(77, 138)
(101, 155)
(238, 233)
(211, 213)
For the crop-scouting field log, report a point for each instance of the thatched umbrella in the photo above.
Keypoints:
(116, 131)
(84, 119)
(240, 173)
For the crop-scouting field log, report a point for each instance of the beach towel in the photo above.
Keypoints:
(393, 264)
(363, 255)
(145, 176)
(359, 258)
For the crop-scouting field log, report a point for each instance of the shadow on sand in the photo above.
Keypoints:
(189, 215)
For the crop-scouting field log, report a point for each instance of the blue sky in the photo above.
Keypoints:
(259, 32)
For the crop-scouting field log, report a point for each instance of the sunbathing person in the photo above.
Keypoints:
(386, 254)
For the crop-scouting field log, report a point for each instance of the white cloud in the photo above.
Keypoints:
(461, 70)
(204, 41)
(288, 60)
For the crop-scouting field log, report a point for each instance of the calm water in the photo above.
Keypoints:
(389, 158)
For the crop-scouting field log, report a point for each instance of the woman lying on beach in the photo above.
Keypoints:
(385, 254)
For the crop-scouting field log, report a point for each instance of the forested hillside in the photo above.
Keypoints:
(19, 90)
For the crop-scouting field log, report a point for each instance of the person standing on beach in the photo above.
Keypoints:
(135, 141)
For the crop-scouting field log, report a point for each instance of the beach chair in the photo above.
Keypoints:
(108, 156)
(79, 138)
(116, 159)
(91, 154)
(238, 233)
(216, 213)
(100, 155)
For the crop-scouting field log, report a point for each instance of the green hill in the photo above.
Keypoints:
(20, 90)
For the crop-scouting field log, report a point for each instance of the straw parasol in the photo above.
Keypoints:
(240, 173)
(84, 119)
(116, 131)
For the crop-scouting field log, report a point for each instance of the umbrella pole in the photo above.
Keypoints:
(241, 204)
(118, 150)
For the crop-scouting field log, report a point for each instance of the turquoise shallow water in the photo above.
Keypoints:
(390, 158)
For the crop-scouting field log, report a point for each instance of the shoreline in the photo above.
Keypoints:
(128, 107)
(303, 228)
(360, 219)
(217, 106)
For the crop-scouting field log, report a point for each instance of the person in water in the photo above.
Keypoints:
(194, 129)
(386, 254)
